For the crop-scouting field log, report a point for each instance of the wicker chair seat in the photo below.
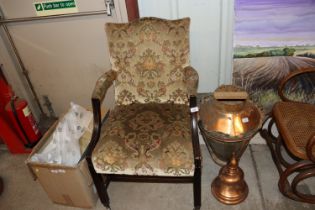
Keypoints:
(296, 124)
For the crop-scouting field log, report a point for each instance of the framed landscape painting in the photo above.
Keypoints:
(271, 39)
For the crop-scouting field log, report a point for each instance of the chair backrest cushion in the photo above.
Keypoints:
(149, 55)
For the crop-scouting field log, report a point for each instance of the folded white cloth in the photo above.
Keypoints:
(64, 147)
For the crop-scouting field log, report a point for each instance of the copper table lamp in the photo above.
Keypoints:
(228, 120)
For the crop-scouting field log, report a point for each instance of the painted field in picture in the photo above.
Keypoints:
(271, 39)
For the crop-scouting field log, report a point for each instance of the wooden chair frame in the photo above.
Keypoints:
(305, 168)
(102, 181)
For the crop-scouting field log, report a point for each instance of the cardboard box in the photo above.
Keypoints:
(71, 186)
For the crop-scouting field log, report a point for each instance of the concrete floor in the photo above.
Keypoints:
(21, 192)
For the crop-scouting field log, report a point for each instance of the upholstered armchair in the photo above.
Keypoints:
(151, 133)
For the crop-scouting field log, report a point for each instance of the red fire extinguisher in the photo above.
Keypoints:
(6, 93)
(10, 132)
(23, 121)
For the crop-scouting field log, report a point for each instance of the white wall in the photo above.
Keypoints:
(64, 57)
(14, 74)
(42, 45)
(211, 35)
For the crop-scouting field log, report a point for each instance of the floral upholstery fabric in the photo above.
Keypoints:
(149, 56)
(191, 80)
(146, 139)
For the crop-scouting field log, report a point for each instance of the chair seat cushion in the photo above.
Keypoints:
(146, 139)
(296, 124)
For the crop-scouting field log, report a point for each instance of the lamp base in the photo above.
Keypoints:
(229, 187)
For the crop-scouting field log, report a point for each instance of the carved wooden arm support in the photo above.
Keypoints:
(194, 134)
(101, 87)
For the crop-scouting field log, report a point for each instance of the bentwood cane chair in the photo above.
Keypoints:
(295, 122)
(151, 133)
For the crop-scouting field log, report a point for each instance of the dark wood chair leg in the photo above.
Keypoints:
(197, 189)
(101, 187)
(103, 194)
(273, 144)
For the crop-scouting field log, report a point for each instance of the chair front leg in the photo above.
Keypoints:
(197, 189)
(197, 153)
(273, 143)
(100, 186)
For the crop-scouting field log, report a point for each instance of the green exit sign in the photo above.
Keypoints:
(52, 7)
(38, 7)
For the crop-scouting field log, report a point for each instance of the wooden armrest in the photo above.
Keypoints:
(102, 85)
(288, 78)
(96, 129)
